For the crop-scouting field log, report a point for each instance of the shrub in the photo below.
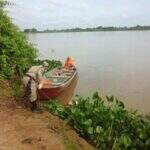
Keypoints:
(16, 53)
(107, 124)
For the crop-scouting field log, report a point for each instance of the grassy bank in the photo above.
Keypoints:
(105, 123)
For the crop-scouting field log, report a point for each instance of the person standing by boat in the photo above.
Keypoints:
(31, 81)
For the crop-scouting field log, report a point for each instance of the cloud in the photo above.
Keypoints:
(52, 14)
(69, 4)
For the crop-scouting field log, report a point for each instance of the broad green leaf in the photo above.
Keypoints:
(99, 129)
(88, 122)
(90, 130)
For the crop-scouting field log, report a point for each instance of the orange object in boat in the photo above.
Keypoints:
(69, 63)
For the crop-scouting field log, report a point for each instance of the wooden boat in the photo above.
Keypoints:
(59, 79)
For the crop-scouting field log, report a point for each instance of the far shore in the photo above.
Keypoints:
(97, 29)
(86, 31)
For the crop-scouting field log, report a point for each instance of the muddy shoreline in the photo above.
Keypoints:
(22, 129)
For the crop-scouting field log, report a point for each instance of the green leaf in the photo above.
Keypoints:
(96, 96)
(110, 99)
(90, 130)
(126, 140)
(88, 122)
(99, 129)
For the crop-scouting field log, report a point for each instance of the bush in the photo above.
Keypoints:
(107, 124)
(16, 53)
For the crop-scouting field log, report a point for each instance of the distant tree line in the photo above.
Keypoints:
(33, 30)
(99, 28)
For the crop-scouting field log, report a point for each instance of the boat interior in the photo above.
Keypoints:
(59, 76)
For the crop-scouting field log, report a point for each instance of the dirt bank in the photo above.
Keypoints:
(20, 129)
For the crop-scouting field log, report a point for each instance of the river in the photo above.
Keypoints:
(113, 63)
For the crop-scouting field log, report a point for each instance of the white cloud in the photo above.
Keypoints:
(71, 13)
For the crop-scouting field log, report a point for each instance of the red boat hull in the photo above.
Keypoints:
(45, 94)
(48, 93)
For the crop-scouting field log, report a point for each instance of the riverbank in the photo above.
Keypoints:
(22, 129)
(96, 29)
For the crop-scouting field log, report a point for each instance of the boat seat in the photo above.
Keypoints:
(64, 71)
(58, 77)
(68, 74)
(56, 84)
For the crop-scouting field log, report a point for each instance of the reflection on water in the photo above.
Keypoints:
(114, 63)
(66, 96)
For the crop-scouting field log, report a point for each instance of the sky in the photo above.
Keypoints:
(62, 14)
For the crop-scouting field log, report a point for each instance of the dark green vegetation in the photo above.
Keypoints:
(33, 30)
(105, 123)
(99, 28)
(16, 53)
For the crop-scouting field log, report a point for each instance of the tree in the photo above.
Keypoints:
(16, 53)
(33, 30)
(27, 30)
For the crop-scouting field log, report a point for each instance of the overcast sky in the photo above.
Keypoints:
(59, 14)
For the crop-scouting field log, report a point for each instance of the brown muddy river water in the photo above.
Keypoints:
(113, 63)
